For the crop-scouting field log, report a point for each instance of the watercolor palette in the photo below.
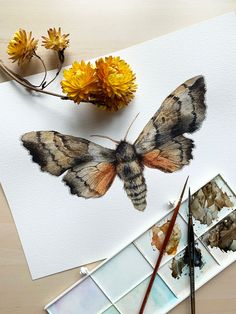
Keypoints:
(118, 285)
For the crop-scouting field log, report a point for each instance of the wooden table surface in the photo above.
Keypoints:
(96, 28)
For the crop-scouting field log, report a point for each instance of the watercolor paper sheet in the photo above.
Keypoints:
(59, 231)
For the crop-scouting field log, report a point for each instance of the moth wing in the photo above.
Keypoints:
(56, 152)
(181, 112)
(171, 156)
(90, 179)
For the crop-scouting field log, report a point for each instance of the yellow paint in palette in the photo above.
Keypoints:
(118, 285)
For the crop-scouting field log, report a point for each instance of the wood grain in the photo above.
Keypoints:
(96, 28)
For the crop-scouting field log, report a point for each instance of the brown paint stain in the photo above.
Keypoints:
(223, 235)
(180, 262)
(159, 233)
(208, 201)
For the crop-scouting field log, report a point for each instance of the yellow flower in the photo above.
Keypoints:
(110, 85)
(55, 40)
(80, 82)
(22, 47)
(117, 83)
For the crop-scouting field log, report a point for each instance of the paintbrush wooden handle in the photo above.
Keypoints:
(162, 251)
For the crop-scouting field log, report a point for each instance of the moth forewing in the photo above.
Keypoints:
(181, 112)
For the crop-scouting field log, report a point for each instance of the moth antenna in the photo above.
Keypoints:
(131, 125)
(103, 136)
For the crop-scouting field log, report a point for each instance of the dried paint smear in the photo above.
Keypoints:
(208, 201)
(223, 235)
(179, 264)
(159, 233)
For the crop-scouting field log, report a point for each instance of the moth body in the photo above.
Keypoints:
(130, 170)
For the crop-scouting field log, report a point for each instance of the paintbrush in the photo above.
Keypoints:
(191, 254)
(162, 251)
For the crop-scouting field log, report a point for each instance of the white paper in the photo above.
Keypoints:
(59, 231)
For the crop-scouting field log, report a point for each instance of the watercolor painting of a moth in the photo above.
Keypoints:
(91, 168)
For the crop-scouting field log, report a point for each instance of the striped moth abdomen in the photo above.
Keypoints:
(129, 168)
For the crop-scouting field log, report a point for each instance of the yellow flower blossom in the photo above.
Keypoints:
(117, 83)
(55, 40)
(22, 47)
(80, 82)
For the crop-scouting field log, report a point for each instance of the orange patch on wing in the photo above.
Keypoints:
(154, 159)
(103, 178)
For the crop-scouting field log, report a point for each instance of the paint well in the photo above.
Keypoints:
(220, 240)
(160, 299)
(146, 242)
(86, 297)
(211, 203)
(180, 284)
(122, 273)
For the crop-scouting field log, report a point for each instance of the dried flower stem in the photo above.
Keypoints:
(45, 70)
(20, 77)
(56, 75)
(26, 83)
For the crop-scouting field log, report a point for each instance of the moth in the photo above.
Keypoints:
(91, 168)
